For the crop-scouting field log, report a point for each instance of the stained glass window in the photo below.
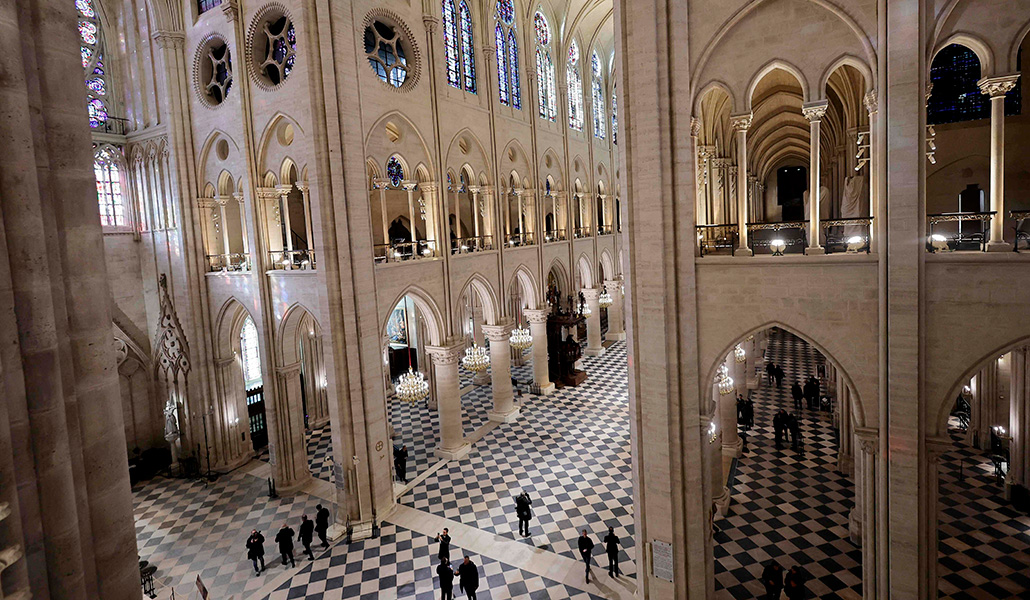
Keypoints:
(109, 188)
(385, 53)
(575, 85)
(506, 11)
(955, 96)
(615, 118)
(513, 69)
(205, 5)
(394, 171)
(91, 50)
(546, 91)
(468, 56)
(250, 354)
(543, 32)
(502, 69)
(450, 44)
(597, 96)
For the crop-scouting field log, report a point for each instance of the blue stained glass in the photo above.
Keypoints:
(506, 11)
(88, 32)
(97, 113)
(467, 47)
(87, 54)
(543, 32)
(597, 96)
(394, 171)
(502, 70)
(450, 44)
(615, 118)
(85, 8)
(97, 85)
(513, 70)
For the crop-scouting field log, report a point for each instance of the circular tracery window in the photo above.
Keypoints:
(213, 71)
(273, 46)
(386, 54)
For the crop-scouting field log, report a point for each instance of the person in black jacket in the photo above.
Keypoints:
(794, 584)
(611, 547)
(307, 532)
(779, 425)
(586, 549)
(446, 575)
(524, 512)
(797, 393)
(468, 578)
(772, 579)
(322, 524)
(256, 550)
(285, 540)
(445, 545)
(400, 463)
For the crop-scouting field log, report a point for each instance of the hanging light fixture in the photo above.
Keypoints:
(605, 299)
(476, 359)
(412, 386)
(520, 338)
(723, 380)
(738, 354)
(585, 311)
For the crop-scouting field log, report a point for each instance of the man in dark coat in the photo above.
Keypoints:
(770, 371)
(400, 463)
(322, 524)
(468, 578)
(611, 548)
(446, 575)
(795, 436)
(524, 512)
(586, 549)
(285, 540)
(779, 376)
(445, 545)
(749, 413)
(779, 423)
(256, 550)
(794, 584)
(797, 393)
(307, 532)
(772, 579)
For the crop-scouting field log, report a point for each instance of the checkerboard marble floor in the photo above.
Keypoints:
(983, 543)
(570, 451)
(788, 508)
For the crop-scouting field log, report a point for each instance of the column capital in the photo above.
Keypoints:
(868, 439)
(815, 111)
(302, 187)
(590, 293)
(267, 193)
(486, 190)
(409, 185)
(231, 10)
(381, 183)
(284, 189)
(871, 102)
(429, 187)
(288, 371)
(489, 51)
(166, 39)
(498, 333)
(430, 22)
(474, 189)
(536, 316)
(695, 126)
(238, 196)
(612, 282)
(997, 87)
(448, 354)
(741, 122)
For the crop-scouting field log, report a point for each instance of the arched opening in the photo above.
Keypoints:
(253, 385)
(558, 288)
(295, 237)
(780, 467)
(403, 219)
(983, 503)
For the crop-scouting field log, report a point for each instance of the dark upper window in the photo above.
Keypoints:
(206, 5)
(955, 96)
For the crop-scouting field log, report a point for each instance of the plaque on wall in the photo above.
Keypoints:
(661, 560)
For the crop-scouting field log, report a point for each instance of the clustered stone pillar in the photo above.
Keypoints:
(845, 428)
(983, 406)
(996, 88)
(1019, 419)
(538, 330)
(594, 347)
(864, 513)
(740, 124)
(504, 410)
(713, 456)
(616, 326)
(233, 407)
(288, 457)
(814, 112)
(731, 442)
(482, 377)
(452, 444)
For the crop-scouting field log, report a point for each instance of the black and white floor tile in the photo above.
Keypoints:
(570, 451)
(784, 507)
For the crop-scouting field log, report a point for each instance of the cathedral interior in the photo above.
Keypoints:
(376, 269)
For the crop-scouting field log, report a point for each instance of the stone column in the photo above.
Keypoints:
(284, 211)
(409, 187)
(996, 88)
(289, 459)
(865, 500)
(482, 377)
(814, 112)
(935, 448)
(382, 185)
(452, 444)
(872, 106)
(538, 330)
(1019, 419)
(233, 406)
(845, 451)
(504, 410)
(752, 360)
(710, 451)
(594, 347)
(305, 192)
(732, 445)
(983, 406)
(740, 124)
(616, 328)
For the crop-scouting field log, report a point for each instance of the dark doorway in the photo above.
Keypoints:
(791, 183)
(256, 415)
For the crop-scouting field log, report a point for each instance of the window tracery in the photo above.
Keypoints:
(468, 55)
(91, 48)
(546, 92)
(110, 191)
(575, 85)
(385, 53)
(597, 96)
(507, 55)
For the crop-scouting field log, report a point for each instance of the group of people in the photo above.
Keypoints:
(792, 584)
(774, 372)
(611, 548)
(284, 539)
(467, 572)
(745, 412)
(785, 423)
(809, 394)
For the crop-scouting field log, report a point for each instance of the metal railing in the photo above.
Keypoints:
(581, 232)
(556, 235)
(717, 239)
(605, 230)
(949, 232)
(514, 240)
(1019, 216)
(228, 262)
(290, 260)
(847, 235)
(403, 251)
(113, 125)
(468, 245)
(760, 239)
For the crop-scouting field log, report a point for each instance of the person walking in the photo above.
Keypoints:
(779, 376)
(795, 435)
(446, 575)
(586, 549)
(285, 540)
(307, 532)
(794, 584)
(779, 424)
(611, 547)
(770, 372)
(400, 463)
(749, 413)
(524, 512)
(256, 550)
(772, 579)
(322, 524)
(445, 545)
(468, 578)
(797, 393)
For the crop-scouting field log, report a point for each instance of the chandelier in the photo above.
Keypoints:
(605, 299)
(520, 338)
(412, 386)
(585, 311)
(738, 354)
(476, 359)
(725, 382)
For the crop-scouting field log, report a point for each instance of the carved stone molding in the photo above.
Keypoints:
(815, 111)
(997, 87)
(741, 122)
